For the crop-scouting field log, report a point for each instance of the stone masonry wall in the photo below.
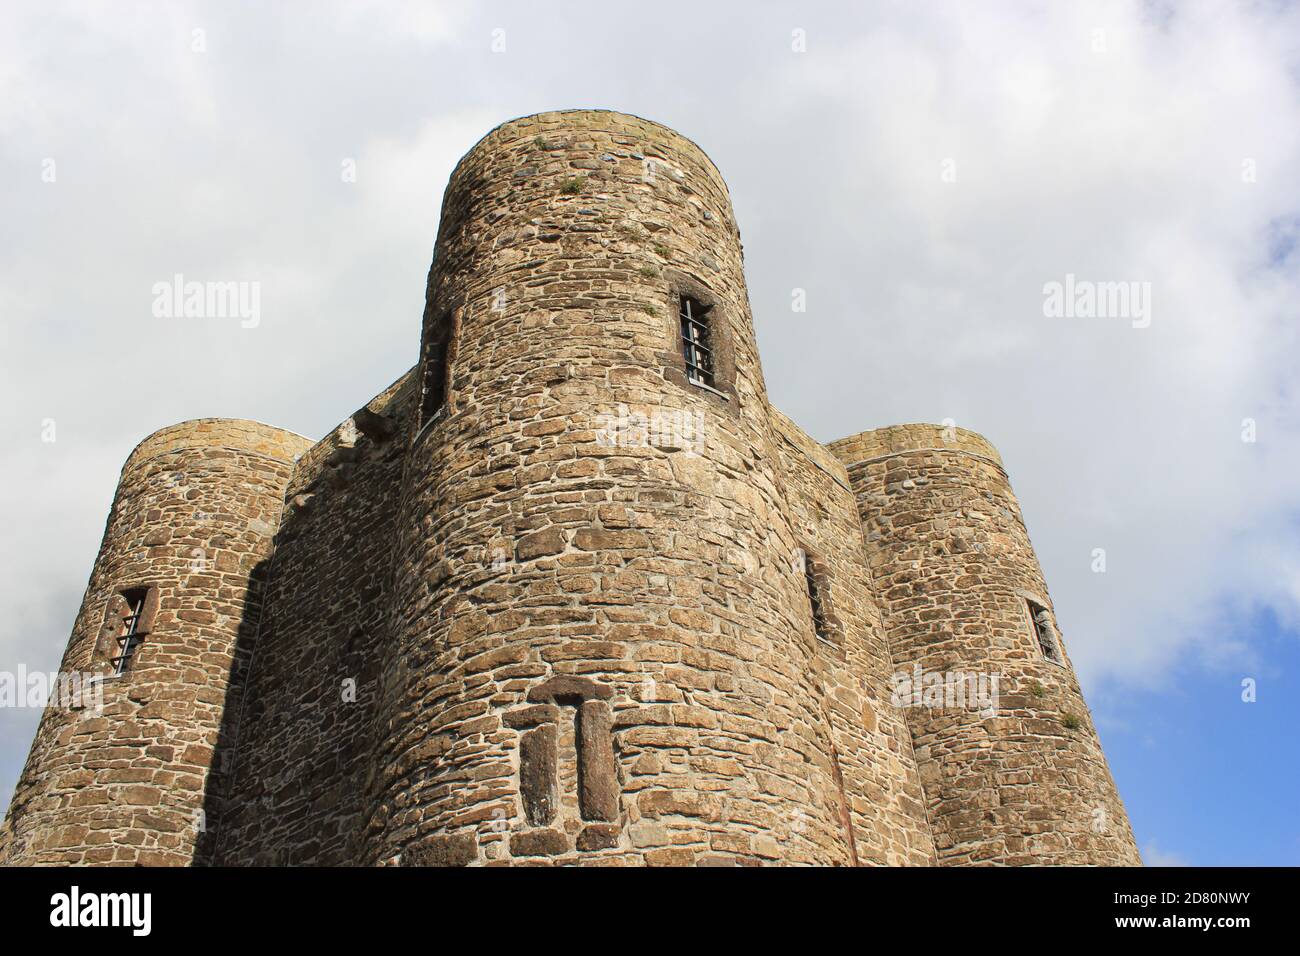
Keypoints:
(194, 514)
(870, 739)
(300, 772)
(954, 570)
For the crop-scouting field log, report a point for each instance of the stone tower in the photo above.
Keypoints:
(571, 590)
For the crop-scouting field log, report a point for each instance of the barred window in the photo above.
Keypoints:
(815, 600)
(131, 632)
(817, 584)
(1045, 632)
(435, 374)
(697, 341)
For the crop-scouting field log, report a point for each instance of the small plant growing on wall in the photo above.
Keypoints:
(1071, 721)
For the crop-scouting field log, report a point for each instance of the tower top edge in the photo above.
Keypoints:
(576, 120)
(916, 436)
(239, 433)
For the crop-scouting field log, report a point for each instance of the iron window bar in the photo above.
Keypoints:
(128, 640)
(697, 342)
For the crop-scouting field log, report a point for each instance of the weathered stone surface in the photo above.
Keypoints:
(598, 836)
(374, 425)
(537, 774)
(452, 849)
(540, 544)
(568, 686)
(598, 776)
(532, 716)
(538, 843)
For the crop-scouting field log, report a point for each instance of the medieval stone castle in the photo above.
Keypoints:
(571, 591)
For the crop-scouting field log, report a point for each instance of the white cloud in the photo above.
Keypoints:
(1152, 855)
(1114, 166)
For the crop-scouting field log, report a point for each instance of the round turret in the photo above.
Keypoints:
(1013, 771)
(599, 654)
(124, 774)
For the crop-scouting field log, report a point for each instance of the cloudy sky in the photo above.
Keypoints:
(921, 170)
